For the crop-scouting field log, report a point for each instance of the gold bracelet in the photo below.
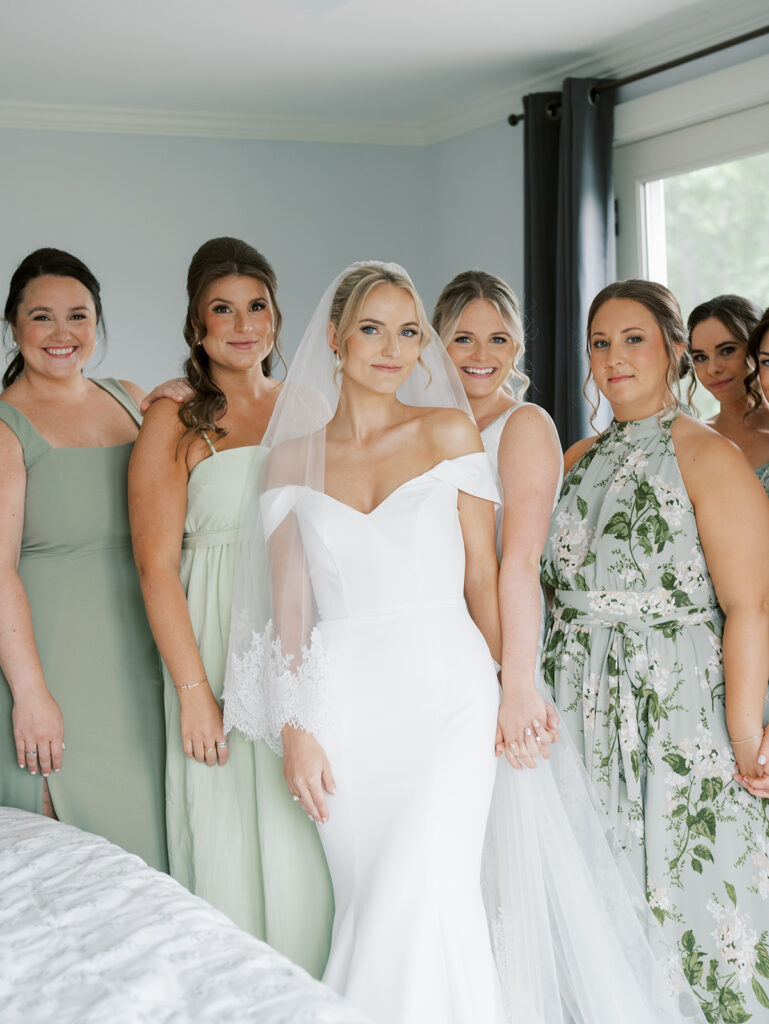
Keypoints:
(747, 738)
(190, 686)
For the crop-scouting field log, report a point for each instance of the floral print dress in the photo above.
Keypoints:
(633, 656)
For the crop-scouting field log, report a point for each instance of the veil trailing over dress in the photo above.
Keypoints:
(574, 939)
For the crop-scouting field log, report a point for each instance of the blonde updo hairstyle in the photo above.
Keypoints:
(663, 306)
(470, 286)
(353, 291)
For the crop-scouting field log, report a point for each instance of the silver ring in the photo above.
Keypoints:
(30, 753)
(223, 743)
(207, 750)
(295, 798)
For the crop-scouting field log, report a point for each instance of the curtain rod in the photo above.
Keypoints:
(616, 83)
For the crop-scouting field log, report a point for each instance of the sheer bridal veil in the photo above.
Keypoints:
(574, 938)
(275, 667)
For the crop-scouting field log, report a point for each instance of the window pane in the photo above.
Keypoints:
(707, 234)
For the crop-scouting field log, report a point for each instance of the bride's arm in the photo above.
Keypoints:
(529, 469)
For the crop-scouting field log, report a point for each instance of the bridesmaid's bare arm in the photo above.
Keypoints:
(529, 469)
(732, 513)
(37, 719)
(157, 500)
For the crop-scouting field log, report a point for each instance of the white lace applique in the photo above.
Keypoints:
(263, 691)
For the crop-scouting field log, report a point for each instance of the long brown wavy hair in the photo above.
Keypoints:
(215, 259)
(663, 306)
(739, 316)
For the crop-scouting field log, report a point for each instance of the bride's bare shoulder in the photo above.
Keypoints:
(450, 432)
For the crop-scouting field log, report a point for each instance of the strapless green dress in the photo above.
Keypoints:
(235, 837)
(99, 660)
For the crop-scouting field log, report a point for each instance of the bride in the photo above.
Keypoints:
(377, 677)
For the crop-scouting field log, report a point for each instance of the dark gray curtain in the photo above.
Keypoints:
(569, 240)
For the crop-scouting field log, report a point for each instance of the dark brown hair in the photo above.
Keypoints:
(44, 263)
(215, 259)
(663, 306)
(757, 335)
(739, 316)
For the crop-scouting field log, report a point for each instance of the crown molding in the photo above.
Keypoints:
(668, 39)
(135, 121)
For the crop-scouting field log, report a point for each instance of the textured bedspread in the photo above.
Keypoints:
(89, 933)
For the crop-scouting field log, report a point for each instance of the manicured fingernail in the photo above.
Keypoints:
(46, 774)
(536, 724)
(64, 746)
(33, 773)
(323, 820)
(528, 731)
(762, 758)
(21, 764)
(57, 769)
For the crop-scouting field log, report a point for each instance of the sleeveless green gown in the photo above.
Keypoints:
(235, 837)
(95, 645)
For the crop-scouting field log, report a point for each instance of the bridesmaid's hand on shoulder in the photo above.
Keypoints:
(307, 772)
(177, 389)
(38, 730)
(202, 727)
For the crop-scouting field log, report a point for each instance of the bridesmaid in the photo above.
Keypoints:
(75, 648)
(479, 321)
(718, 341)
(234, 835)
(658, 688)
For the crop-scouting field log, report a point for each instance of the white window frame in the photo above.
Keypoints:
(709, 120)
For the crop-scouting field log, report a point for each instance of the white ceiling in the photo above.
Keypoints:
(359, 70)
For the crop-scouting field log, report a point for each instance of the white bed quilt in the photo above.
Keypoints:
(89, 933)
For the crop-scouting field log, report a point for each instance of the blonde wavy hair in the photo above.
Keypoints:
(468, 287)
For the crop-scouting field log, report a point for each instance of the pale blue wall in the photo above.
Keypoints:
(476, 192)
(136, 207)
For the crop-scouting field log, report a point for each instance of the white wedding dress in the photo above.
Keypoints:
(414, 698)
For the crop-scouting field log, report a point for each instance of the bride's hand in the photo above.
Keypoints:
(307, 772)
(526, 726)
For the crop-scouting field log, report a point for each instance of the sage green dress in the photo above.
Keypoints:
(633, 654)
(99, 660)
(235, 837)
(763, 475)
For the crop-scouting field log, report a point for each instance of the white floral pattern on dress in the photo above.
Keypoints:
(633, 655)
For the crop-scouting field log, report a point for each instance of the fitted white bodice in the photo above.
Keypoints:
(406, 553)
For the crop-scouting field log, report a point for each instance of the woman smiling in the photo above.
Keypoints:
(660, 526)
(75, 648)
(719, 331)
